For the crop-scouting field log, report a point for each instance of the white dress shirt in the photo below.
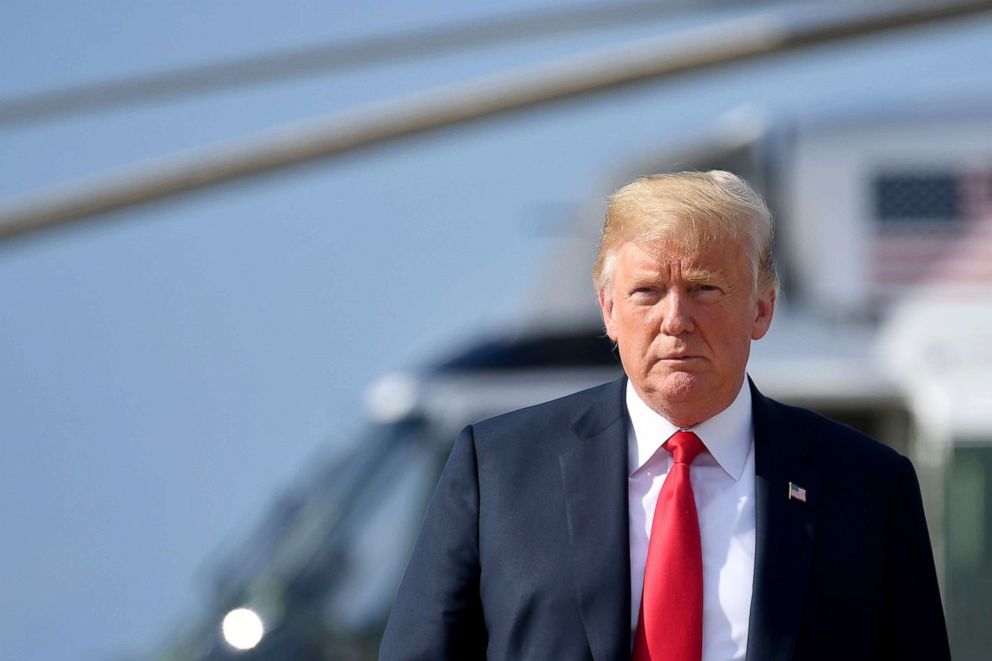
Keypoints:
(723, 487)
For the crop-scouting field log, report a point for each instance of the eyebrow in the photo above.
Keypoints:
(693, 276)
(702, 275)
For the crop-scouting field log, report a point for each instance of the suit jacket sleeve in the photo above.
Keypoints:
(438, 613)
(915, 623)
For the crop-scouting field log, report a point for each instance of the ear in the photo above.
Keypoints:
(764, 310)
(606, 307)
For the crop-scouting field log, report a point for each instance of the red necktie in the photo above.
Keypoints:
(670, 627)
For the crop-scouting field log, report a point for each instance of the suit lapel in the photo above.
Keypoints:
(594, 477)
(784, 533)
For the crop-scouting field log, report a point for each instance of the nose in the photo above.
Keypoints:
(677, 314)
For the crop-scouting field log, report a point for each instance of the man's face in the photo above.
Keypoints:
(684, 320)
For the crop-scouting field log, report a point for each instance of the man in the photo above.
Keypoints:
(677, 513)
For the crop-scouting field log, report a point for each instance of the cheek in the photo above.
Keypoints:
(641, 324)
(735, 342)
(725, 328)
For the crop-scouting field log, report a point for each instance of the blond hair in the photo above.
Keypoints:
(692, 209)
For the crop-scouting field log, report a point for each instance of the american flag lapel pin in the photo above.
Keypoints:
(796, 492)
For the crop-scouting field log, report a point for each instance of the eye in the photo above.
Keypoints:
(707, 291)
(645, 295)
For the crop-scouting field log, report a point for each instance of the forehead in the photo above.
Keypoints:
(663, 258)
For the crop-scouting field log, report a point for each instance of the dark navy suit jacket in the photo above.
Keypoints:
(524, 552)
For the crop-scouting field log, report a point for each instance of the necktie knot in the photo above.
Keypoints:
(685, 446)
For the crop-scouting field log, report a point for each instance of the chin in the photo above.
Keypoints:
(685, 382)
(677, 387)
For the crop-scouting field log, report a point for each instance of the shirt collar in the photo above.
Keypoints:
(727, 435)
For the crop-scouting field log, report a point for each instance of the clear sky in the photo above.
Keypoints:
(165, 374)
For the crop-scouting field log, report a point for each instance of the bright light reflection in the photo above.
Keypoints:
(242, 628)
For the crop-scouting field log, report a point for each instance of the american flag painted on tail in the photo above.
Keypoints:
(931, 227)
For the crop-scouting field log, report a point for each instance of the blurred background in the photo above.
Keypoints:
(259, 262)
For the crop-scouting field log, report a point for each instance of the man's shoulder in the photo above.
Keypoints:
(599, 405)
(830, 438)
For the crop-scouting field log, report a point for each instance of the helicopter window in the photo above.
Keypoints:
(377, 533)
(591, 349)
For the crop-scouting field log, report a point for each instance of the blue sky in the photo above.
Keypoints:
(163, 375)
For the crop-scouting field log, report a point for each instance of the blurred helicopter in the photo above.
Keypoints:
(906, 197)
